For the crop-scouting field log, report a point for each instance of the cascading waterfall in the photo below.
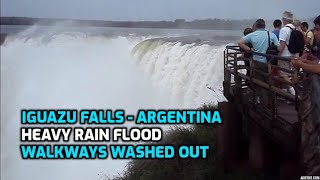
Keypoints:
(67, 71)
(76, 70)
(184, 69)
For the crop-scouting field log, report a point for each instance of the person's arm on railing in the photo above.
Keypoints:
(312, 62)
(311, 68)
(309, 58)
(243, 45)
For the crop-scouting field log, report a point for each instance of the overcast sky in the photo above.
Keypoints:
(158, 9)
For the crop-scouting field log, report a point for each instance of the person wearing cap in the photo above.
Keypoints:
(284, 37)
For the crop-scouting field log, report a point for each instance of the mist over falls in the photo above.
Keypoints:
(79, 71)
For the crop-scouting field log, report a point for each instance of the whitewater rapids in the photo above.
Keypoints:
(78, 71)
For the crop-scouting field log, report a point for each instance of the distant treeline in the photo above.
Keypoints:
(218, 24)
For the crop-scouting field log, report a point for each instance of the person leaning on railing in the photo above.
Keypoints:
(245, 53)
(260, 41)
(311, 64)
(316, 32)
(308, 63)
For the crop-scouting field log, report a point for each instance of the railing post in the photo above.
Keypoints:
(274, 95)
(227, 77)
(295, 76)
(251, 67)
(237, 78)
(252, 73)
(270, 73)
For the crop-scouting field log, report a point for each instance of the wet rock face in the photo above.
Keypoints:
(2, 38)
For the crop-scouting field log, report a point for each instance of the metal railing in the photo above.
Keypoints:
(232, 63)
(305, 132)
(273, 86)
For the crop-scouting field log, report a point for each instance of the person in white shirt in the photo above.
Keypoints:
(284, 37)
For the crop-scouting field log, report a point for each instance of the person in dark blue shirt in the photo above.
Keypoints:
(277, 26)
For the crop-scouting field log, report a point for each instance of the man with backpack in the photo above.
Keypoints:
(291, 45)
(261, 41)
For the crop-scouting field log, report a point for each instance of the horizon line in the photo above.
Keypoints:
(209, 18)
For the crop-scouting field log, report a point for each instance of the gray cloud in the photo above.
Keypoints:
(158, 9)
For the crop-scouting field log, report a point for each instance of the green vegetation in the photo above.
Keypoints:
(187, 169)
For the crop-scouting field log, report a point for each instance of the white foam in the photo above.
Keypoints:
(185, 70)
(67, 71)
(74, 70)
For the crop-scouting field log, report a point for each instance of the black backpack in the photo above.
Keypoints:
(272, 50)
(296, 41)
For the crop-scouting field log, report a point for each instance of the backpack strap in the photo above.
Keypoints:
(291, 32)
(307, 33)
(291, 28)
(268, 38)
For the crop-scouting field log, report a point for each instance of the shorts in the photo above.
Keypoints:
(262, 67)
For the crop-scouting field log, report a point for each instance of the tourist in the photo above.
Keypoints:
(277, 26)
(246, 32)
(297, 24)
(246, 54)
(308, 35)
(311, 64)
(316, 33)
(284, 37)
(259, 40)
